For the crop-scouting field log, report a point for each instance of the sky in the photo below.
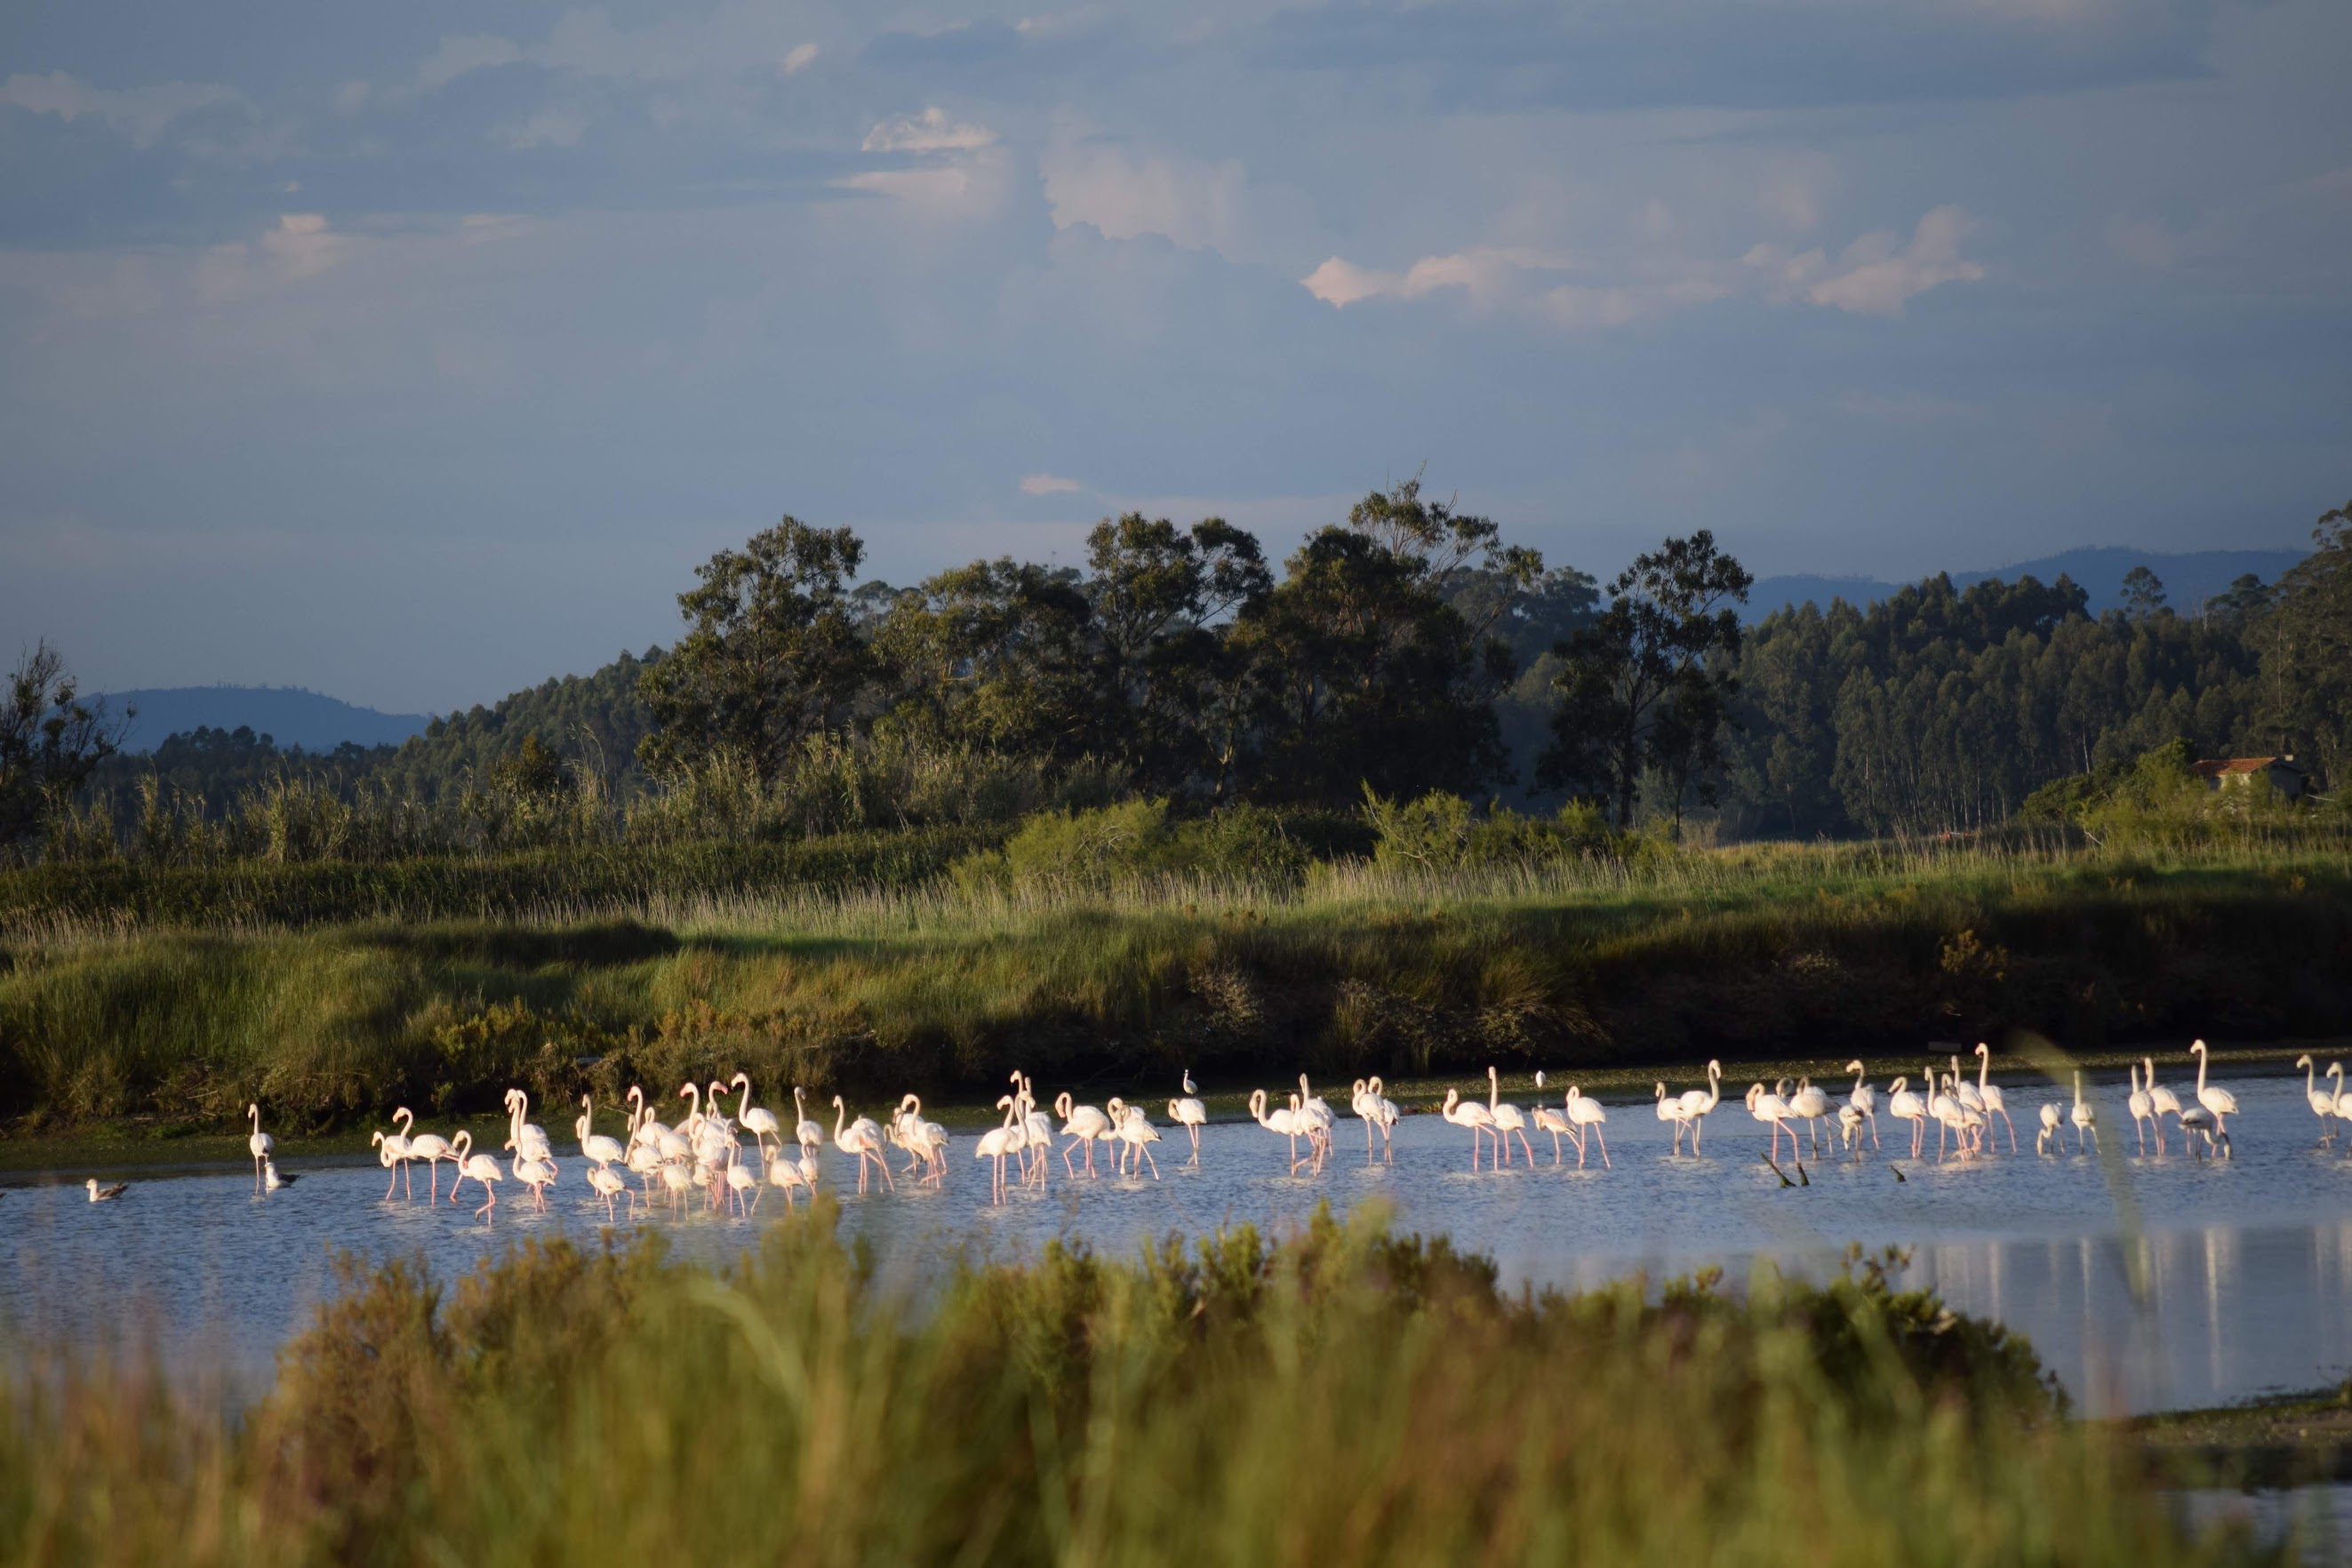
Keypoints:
(417, 352)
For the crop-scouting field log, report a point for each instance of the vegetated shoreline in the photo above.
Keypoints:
(159, 1146)
(1585, 972)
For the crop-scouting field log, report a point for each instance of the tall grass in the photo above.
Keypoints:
(1345, 1396)
(1757, 951)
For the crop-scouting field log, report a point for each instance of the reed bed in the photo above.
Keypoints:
(1345, 1394)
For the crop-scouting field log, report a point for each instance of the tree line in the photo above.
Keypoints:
(1410, 650)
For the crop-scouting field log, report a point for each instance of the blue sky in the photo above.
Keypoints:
(417, 352)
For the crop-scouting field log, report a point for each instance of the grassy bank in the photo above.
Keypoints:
(1809, 953)
(1343, 1396)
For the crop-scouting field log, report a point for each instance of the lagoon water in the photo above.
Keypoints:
(2146, 1283)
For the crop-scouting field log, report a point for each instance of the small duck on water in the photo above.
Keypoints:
(99, 1194)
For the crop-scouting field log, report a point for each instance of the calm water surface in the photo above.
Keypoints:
(2146, 1283)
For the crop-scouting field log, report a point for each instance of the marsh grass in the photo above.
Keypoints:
(1345, 1396)
(1739, 952)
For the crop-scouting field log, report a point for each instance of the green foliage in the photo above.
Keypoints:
(1441, 832)
(1346, 1391)
(50, 741)
(1137, 841)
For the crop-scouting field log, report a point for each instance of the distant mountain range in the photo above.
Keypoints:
(2189, 579)
(288, 714)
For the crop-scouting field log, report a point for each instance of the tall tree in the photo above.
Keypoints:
(2143, 593)
(50, 741)
(773, 652)
(1647, 686)
(2306, 658)
(1364, 673)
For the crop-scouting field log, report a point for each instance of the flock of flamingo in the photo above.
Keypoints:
(704, 1157)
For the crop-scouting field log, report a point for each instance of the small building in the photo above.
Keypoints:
(2281, 773)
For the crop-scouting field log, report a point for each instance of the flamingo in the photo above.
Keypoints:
(1588, 1115)
(789, 1175)
(1316, 1118)
(99, 1194)
(757, 1119)
(1283, 1120)
(999, 1142)
(1950, 1112)
(2219, 1101)
(538, 1174)
(475, 1167)
(1471, 1114)
(2195, 1120)
(2323, 1103)
(260, 1143)
(1038, 1164)
(2142, 1109)
(863, 1139)
(396, 1149)
(2053, 1119)
(1557, 1123)
(1671, 1112)
(1906, 1106)
(1384, 1113)
(2343, 1096)
(1970, 1096)
(2084, 1118)
(1767, 1107)
(1508, 1118)
(1190, 1115)
(594, 1147)
(692, 1094)
(528, 1137)
(1989, 1096)
(740, 1180)
(1849, 1122)
(808, 1135)
(2162, 1100)
(1865, 1099)
(676, 1182)
(609, 1186)
(432, 1148)
(1812, 1107)
(1080, 1124)
(926, 1141)
(1698, 1104)
(1133, 1128)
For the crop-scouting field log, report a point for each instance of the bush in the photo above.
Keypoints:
(1138, 841)
(1441, 832)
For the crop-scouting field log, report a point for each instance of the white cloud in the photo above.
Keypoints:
(302, 245)
(1877, 277)
(801, 57)
(1487, 274)
(139, 114)
(1197, 205)
(929, 131)
(1047, 485)
(1342, 283)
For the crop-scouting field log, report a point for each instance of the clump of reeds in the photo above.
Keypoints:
(1345, 1396)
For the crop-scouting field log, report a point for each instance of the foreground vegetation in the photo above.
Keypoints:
(1345, 1396)
(1349, 969)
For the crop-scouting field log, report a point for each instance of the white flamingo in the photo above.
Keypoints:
(1969, 1095)
(757, 1119)
(594, 1147)
(1283, 1121)
(1317, 1117)
(1812, 1107)
(1190, 1115)
(1557, 1123)
(1954, 1118)
(742, 1179)
(475, 1168)
(1767, 1107)
(2142, 1109)
(609, 1186)
(1588, 1114)
(538, 1175)
(1080, 1124)
(2053, 1120)
(1385, 1113)
(2196, 1119)
(2161, 1100)
(789, 1176)
(2343, 1096)
(998, 1142)
(2219, 1101)
(2084, 1118)
(2323, 1103)
(260, 1144)
(808, 1135)
(432, 1148)
(1508, 1118)
(1989, 1095)
(1905, 1105)
(528, 1137)
(1134, 1129)
(1698, 1104)
(1865, 1099)
(397, 1150)
(862, 1138)
(1671, 1112)
(1471, 1114)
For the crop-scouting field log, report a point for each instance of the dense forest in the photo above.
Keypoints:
(1408, 652)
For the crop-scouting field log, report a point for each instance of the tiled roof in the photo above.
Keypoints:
(2215, 767)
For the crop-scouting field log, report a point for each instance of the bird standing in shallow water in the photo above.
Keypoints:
(260, 1144)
